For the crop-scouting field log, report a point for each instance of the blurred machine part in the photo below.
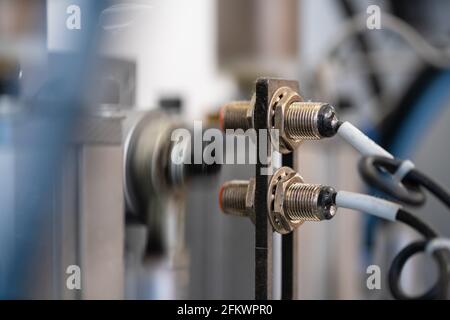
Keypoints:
(116, 183)
(117, 172)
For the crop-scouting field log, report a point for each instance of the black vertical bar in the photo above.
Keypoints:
(287, 266)
(265, 90)
(263, 230)
(287, 250)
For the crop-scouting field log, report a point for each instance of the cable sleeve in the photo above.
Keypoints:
(361, 202)
(404, 169)
(362, 143)
(437, 244)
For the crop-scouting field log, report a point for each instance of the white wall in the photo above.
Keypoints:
(174, 45)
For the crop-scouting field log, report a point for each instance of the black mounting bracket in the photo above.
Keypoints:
(265, 89)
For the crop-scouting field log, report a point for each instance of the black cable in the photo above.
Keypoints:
(439, 289)
(378, 172)
(383, 209)
(415, 223)
(435, 188)
(437, 292)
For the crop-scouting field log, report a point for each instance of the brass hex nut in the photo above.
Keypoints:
(278, 186)
(279, 104)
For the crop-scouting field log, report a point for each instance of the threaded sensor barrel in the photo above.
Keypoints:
(310, 121)
(234, 115)
(309, 202)
(232, 197)
(300, 121)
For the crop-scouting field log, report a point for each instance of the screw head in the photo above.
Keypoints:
(326, 202)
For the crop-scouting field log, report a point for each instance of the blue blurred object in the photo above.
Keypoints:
(421, 115)
(39, 140)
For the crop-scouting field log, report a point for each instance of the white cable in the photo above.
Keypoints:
(367, 147)
(436, 244)
(365, 203)
(362, 143)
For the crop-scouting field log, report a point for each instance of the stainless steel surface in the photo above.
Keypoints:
(88, 222)
(102, 222)
(98, 206)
